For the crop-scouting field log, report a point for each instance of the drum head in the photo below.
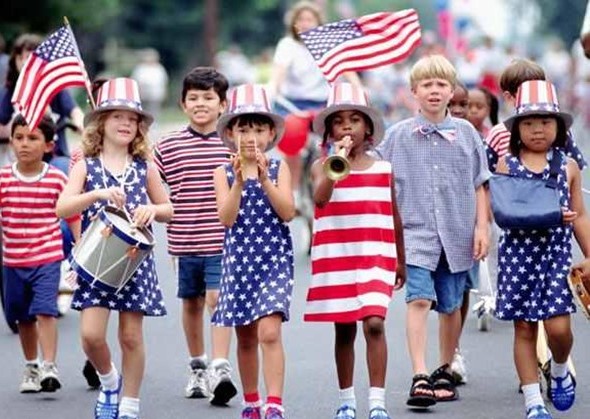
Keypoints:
(120, 221)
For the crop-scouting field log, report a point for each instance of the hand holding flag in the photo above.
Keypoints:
(363, 43)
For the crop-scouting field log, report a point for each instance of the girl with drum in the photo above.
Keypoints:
(116, 172)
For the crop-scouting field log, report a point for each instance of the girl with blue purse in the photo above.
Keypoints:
(535, 255)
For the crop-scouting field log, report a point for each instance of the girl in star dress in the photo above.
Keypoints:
(533, 265)
(357, 254)
(255, 202)
(117, 170)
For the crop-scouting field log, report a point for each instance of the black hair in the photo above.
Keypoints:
(25, 42)
(330, 120)
(516, 141)
(46, 126)
(493, 103)
(250, 120)
(205, 78)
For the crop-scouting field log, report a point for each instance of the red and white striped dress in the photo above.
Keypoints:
(353, 253)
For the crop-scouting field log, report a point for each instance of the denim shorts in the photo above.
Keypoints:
(197, 274)
(443, 288)
(473, 277)
(30, 291)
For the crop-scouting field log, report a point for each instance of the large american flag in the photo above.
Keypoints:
(363, 43)
(52, 67)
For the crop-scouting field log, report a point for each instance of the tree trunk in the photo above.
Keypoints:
(211, 23)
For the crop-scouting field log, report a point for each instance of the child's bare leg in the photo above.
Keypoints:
(29, 339)
(247, 342)
(192, 322)
(525, 351)
(93, 330)
(374, 330)
(220, 336)
(464, 309)
(345, 335)
(449, 332)
(273, 355)
(559, 337)
(133, 351)
(416, 332)
(47, 330)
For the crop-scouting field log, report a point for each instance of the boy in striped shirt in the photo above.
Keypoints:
(32, 251)
(187, 159)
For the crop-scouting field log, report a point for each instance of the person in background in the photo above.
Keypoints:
(152, 78)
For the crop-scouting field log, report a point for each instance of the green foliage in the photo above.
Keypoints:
(563, 18)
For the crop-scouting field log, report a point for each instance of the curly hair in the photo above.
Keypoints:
(92, 139)
(293, 14)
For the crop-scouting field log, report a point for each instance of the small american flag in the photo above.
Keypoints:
(364, 43)
(52, 67)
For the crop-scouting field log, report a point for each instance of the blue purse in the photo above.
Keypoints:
(522, 203)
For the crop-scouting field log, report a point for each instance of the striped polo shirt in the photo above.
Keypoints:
(30, 229)
(186, 160)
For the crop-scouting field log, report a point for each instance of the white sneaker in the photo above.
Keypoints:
(49, 377)
(31, 382)
(196, 387)
(221, 386)
(458, 368)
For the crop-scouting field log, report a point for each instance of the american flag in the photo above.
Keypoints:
(52, 67)
(363, 43)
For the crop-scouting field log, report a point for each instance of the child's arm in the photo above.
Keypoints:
(281, 194)
(323, 186)
(481, 241)
(160, 209)
(400, 272)
(581, 223)
(228, 199)
(73, 201)
(75, 225)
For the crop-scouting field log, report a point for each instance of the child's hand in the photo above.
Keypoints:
(262, 163)
(568, 216)
(114, 194)
(144, 215)
(481, 243)
(400, 276)
(584, 268)
(236, 163)
(345, 142)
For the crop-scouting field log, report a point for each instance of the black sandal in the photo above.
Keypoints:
(421, 392)
(442, 380)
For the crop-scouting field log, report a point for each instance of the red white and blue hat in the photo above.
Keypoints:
(537, 97)
(249, 99)
(120, 94)
(349, 97)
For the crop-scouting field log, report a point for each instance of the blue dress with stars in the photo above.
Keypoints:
(257, 263)
(533, 265)
(142, 292)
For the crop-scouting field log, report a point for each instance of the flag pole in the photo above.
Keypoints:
(79, 56)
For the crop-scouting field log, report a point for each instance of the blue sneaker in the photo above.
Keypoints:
(379, 413)
(251, 413)
(538, 412)
(128, 417)
(273, 412)
(563, 396)
(109, 409)
(345, 412)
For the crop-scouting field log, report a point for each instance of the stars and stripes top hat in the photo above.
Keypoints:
(349, 97)
(249, 99)
(537, 97)
(119, 94)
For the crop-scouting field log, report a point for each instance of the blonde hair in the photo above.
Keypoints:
(294, 12)
(433, 67)
(93, 137)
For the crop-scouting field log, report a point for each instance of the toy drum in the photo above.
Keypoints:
(111, 250)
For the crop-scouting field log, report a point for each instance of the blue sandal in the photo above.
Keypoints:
(538, 412)
(109, 409)
(563, 397)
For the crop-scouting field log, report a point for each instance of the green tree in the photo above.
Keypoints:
(564, 18)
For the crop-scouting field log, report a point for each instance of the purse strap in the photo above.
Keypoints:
(554, 166)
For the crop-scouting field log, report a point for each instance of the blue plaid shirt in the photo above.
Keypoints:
(437, 169)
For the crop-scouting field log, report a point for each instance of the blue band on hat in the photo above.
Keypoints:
(121, 102)
(537, 107)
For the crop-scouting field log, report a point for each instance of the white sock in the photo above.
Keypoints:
(129, 406)
(532, 395)
(559, 371)
(198, 361)
(109, 381)
(346, 397)
(218, 361)
(32, 362)
(376, 397)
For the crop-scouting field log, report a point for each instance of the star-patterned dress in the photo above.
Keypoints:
(142, 292)
(533, 265)
(257, 263)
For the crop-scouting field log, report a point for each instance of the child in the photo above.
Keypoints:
(459, 103)
(483, 105)
(440, 173)
(355, 266)
(32, 249)
(186, 160)
(255, 202)
(532, 283)
(116, 171)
